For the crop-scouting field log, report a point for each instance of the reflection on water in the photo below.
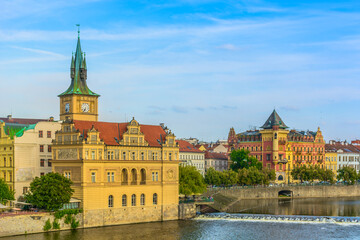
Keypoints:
(310, 206)
(217, 229)
(225, 229)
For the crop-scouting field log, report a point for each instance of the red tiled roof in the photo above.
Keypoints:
(214, 155)
(109, 131)
(338, 146)
(22, 120)
(185, 146)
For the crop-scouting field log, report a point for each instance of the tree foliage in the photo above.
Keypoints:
(50, 191)
(5, 193)
(190, 181)
(213, 177)
(241, 159)
(311, 173)
(347, 174)
(244, 176)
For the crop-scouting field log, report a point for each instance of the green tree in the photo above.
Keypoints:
(213, 177)
(5, 193)
(241, 159)
(229, 177)
(190, 180)
(50, 191)
(269, 175)
(347, 174)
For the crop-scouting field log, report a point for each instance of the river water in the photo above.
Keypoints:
(209, 227)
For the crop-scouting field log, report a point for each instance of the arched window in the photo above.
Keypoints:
(124, 176)
(142, 199)
(111, 201)
(133, 176)
(133, 200)
(142, 176)
(280, 178)
(155, 199)
(124, 200)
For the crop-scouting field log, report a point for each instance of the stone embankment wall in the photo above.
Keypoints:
(29, 223)
(34, 223)
(297, 192)
(187, 210)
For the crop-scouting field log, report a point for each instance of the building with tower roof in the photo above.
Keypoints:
(279, 148)
(122, 172)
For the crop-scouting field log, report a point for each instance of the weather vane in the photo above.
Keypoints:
(78, 25)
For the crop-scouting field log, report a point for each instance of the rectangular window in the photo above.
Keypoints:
(49, 134)
(124, 155)
(93, 155)
(25, 190)
(153, 176)
(268, 165)
(42, 174)
(67, 174)
(268, 157)
(169, 156)
(93, 177)
(108, 177)
(156, 176)
(112, 177)
(49, 148)
(40, 134)
(153, 156)
(49, 162)
(42, 162)
(41, 148)
(142, 156)
(133, 155)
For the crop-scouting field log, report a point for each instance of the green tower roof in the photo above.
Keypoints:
(78, 74)
(274, 120)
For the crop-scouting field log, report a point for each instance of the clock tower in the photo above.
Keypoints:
(78, 102)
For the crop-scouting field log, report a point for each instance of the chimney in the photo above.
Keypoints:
(162, 125)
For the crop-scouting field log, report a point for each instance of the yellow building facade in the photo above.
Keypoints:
(121, 172)
(331, 160)
(6, 157)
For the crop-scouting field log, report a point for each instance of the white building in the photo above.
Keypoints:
(218, 161)
(192, 156)
(347, 154)
(32, 154)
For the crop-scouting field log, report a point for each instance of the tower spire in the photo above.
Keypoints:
(78, 72)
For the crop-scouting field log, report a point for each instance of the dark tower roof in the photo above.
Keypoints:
(78, 73)
(274, 120)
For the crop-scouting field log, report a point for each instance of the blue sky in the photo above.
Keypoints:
(200, 67)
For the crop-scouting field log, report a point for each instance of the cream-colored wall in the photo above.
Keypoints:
(27, 154)
(217, 164)
(193, 159)
(220, 149)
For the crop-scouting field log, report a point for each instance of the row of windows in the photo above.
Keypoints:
(348, 158)
(124, 156)
(7, 176)
(42, 162)
(41, 135)
(10, 148)
(191, 157)
(133, 200)
(42, 148)
(308, 149)
(7, 162)
(331, 159)
(307, 158)
(124, 176)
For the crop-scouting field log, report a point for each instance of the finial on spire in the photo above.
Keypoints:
(78, 25)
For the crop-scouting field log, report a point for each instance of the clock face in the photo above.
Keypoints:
(67, 107)
(85, 107)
